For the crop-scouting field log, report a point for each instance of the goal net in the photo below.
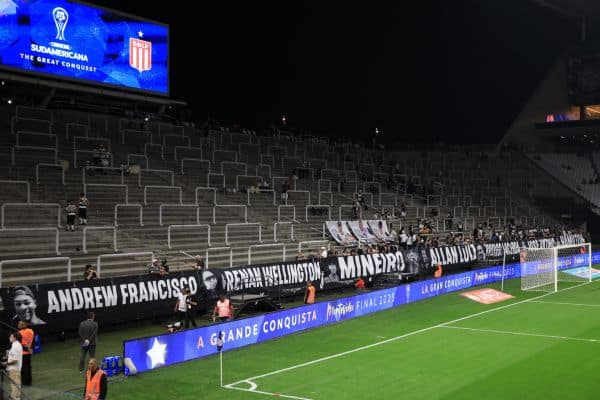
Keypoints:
(543, 268)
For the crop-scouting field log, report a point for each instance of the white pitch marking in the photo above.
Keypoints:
(251, 390)
(568, 304)
(233, 385)
(521, 333)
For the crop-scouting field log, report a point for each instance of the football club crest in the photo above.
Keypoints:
(140, 54)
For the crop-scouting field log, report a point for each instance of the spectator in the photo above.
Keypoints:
(82, 209)
(323, 252)
(164, 268)
(154, 268)
(198, 263)
(71, 210)
(89, 273)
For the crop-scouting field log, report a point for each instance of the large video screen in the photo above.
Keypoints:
(77, 41)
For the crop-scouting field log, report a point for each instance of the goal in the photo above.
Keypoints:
(543, 268)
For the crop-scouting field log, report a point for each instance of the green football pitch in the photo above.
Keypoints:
(534, 346)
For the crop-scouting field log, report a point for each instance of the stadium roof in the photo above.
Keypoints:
(587, 9)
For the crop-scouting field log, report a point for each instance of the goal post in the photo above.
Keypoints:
(543, 268)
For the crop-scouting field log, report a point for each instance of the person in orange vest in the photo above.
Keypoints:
(360, 283)
(309, 296)
(438, 271)
(223, 308)
(27, 342)
(95, 382)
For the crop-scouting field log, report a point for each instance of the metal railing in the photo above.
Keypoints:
(162, 149)
(135, 132)
(189, 141)
(12, 153)
(235, 163)
(210, 189)
(187, 148)
(314, 242)
(35, 260)
(299, 191)
(227, 226)
(98, 228)
(178, 188)
(324, 181)
(313, 206)
(381, 194)
(160, 210)
(94, 168)
(330, 198)
(214, 212)
(237, 179)
(262, 191)
(145, 157)
(129, 205)
(219, 248)
(286, 206)
(73, 125)
(163, 171)
(92, 139)
(276, 224)
(26, 183)
(197, 160)
(120, 255)
(48, 135)
(260, 246)
(55, 230)
(171, 227)
(86, 185)
(214, 174)
(4, 205)
(37, 171)
(259, 166)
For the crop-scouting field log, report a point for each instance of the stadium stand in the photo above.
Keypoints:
(172, 190)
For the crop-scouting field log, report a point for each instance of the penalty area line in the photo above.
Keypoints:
(567, 304)
(253, 389)
(412, 333)
(540, 335)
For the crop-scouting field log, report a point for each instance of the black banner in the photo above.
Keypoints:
(366, 265)
(266, 276)
(495, 251)
(60, 307)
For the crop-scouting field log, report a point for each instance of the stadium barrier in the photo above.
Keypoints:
(158, 351)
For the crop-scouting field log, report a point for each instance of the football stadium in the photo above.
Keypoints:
(299, 200)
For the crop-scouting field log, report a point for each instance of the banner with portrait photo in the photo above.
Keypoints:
(361, 230)
(340, 233)
(380, 230)
(59, 307)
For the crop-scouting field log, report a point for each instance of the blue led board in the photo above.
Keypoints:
(72, 40)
